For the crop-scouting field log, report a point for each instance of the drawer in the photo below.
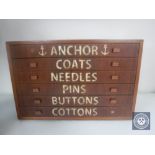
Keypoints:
(76, 77)
(75, 50)
(74, 89)
(76, 112)
(96, 64)
(61, 101)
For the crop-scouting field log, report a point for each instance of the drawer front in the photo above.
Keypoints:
(74, 101)
(74, 50)
(74, 89)
(77, 112)
(76, 77)
(72, 64)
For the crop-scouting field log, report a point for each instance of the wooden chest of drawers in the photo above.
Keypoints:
(75, 79)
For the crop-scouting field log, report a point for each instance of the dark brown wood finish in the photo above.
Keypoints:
(92, 89)
(75, 112)
(105, 84)
(75, 101)
(116, 49)
(32, 64)
(103, 77)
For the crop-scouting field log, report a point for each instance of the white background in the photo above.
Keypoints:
(17, 30)
(77, 144)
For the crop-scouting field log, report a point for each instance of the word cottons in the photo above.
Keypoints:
(74, 111)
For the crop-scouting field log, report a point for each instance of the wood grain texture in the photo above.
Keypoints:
(74, 101)
(79, 77)
(116, 86)
(92, 89)
(75, 112)
(32, 64)
(31, 50)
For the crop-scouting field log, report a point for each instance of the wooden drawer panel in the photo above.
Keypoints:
(113, 49)
(76, 112)
(96, 64)
(87, 89)
(75, 101)
(76, 77)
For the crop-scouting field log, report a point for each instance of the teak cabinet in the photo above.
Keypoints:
(75, 79)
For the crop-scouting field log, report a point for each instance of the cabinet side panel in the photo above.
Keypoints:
(10, 61)
(137, 74)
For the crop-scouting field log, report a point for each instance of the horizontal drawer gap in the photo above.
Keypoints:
(60, 57)
(37, 107)
(72, 95)
(80, 95)
(35, 70)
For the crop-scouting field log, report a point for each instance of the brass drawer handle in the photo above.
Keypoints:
(37, 101)
(113, 90)
(34, 77)
(33, 65)
(115, 64)
(113, 101)
(114, 77)
(112, 111)
(116, 50)
(35, 90)
(38, 112)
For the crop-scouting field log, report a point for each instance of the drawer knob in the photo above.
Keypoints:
(35, 90)
(34, 77)
(113, 101)
(37, 101)
(115, 64)
(114, 77)
(116, 50)
(38, 112)
(112, 111)
(33, 65)
(113, 90)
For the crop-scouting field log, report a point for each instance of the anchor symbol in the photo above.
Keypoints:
(42, 52)
(105, 50)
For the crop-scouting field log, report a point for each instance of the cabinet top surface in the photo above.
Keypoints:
(77, 41)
